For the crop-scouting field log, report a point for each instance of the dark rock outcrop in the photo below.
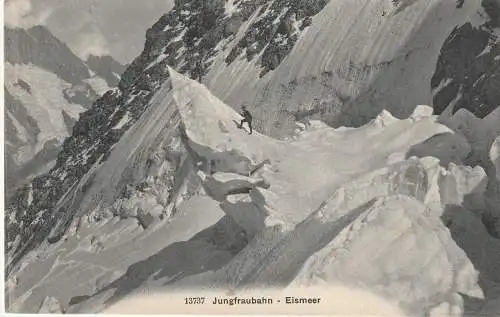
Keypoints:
(468, 71)
(107, 68)
(492, 7)
(275, 32)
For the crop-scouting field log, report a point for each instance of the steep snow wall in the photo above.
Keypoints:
(373, 57)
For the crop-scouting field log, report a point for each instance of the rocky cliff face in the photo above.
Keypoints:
(107, 68)
(468, 70)
(46, 88)
(307, 57)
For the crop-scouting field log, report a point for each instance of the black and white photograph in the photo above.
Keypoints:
(265, 157)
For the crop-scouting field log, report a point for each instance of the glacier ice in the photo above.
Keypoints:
(354, 207)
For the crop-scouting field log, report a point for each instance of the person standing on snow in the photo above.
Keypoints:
(247, 117)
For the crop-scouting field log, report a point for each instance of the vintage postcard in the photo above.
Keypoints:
(226, 157)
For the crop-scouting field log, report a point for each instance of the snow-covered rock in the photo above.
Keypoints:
(479, 132)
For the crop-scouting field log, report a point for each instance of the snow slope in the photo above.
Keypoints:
(364, 63)
(330, 207)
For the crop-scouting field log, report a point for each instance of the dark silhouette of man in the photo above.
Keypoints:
(247, 117)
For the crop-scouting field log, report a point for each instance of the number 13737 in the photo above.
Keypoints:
(194, 300)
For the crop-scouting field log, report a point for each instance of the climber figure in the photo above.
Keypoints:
(247, 117)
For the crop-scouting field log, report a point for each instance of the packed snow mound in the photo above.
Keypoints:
(415, 262)
(495, 156)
